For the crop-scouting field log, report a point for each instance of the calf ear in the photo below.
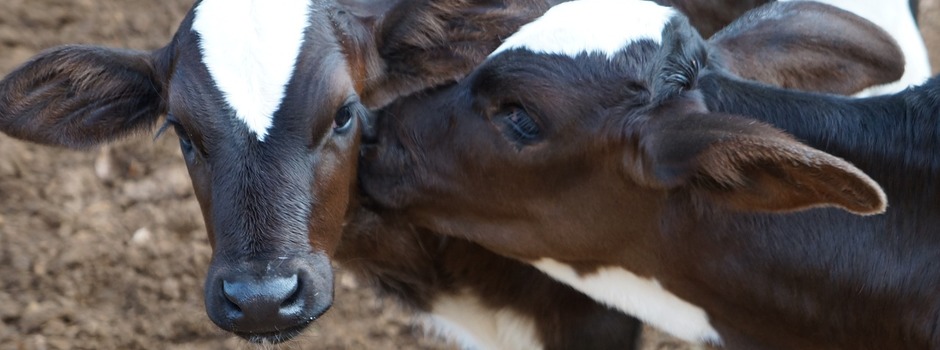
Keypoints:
(80, 96)
(809, 46)
(752, 166)
(424, 43)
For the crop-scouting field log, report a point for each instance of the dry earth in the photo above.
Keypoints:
(106, 249)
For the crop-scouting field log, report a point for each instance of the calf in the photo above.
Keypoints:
(268, 101)
(455, 272)
(600, 163)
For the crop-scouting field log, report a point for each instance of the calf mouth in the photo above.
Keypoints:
(380, 185)
(273, 338)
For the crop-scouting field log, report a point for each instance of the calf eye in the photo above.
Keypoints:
(186, 143)
(521, 126)
(342, 122)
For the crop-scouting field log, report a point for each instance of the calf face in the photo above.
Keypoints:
(268, 102)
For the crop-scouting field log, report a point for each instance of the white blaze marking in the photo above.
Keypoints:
(250, 48)
(463, 318)
(645, 299)
(583, 26)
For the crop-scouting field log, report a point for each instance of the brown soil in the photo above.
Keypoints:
(106, 249)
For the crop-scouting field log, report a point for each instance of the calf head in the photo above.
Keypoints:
(564, 139)
(268, 101)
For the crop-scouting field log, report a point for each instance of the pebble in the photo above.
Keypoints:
(104, 164)
(36, 315)
(141, 237)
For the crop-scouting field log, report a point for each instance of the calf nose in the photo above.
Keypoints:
(268, 300)
(258, 305)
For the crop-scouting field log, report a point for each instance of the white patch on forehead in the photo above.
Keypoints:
(605, 26)
(465, 319)
(645, 299)
(250, 48)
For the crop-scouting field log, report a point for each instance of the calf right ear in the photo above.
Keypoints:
(809, 46)
(81, 96)
(751, 166)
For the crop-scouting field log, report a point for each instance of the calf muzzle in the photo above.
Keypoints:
(268, 300)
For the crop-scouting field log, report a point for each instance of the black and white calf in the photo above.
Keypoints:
(612, 165)
(268, 100)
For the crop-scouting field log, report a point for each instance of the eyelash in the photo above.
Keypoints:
(520, 125)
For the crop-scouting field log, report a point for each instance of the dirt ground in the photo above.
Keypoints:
(106, 249)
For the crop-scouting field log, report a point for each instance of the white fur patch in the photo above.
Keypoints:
(645, 299)
(894, 16)
(463, 318)
(250, 48)
(581, 26)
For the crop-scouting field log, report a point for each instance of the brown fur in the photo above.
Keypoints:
(849, 54)
(710, 16)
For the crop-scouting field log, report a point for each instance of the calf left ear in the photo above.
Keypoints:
(80, 96)
(752, 166)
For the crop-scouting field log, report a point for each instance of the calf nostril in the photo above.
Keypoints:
(264, 296)
(294, 303)
(231, 302)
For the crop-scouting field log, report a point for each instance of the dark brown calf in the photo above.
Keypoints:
(605, 169)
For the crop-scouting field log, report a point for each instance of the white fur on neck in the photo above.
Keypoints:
(250, 48)
(605, 26)
(465, 319)
(645, 299)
